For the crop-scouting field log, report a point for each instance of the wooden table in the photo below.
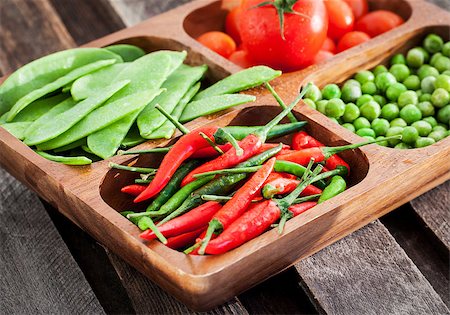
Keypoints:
(396, 265)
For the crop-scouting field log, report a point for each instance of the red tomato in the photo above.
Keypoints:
(329, 45)
(352, 39)
(240, 57)
(230, 4)
(359, 7)
(232, 24)
(261, 38)
(378, 22)
(322, 56)
(219, 42)
(340, 18)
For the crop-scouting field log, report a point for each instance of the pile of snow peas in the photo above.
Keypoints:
(411, 98)
(81, 105)
(219, 187)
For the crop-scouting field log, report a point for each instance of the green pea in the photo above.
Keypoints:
(384, 143)
(434, 58)
(437, 135)
(394, 131)
(364, 99)
(433, 43)
(431, 120)
(365, 132)
(351, 92)
(369, 88)
(407, 98)
(428, 84)
(310, 103)
(370, 110)
(443, 115)
(384, 80)
(369, 138)
(410, 113)
(351, 112)
(331, 91)
(364, 76)
(334, 120)
(410, 134)
(443, 82)
(380, 99)
(426, 108)
(380, 126)
(446, 72)
(425, 97)
(440, 98)
(423, 142)
(425, 53)
(427, 71)
(423, 127)
(390, 111)
(402, 146)
(313, 93)
(398, 59)
(412, 82)
(439, 127)
(361, 122)
(352, 82)
(335, 108)
(398, 122)
(379, 69)
(321, 106)
(419, 94)
(349, 127)
(400, 72)
(442, 63)
(415, 58)
(394, 91)
(446, 49)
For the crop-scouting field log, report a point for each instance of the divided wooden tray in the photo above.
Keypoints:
(382, 178)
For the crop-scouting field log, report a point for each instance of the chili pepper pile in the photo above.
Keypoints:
(214, 204)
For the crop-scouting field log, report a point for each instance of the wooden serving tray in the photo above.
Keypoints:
(381, 180)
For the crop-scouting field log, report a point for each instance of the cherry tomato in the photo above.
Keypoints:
(340, 18)
(230, 4)
(232, 24)
(329, 45)
(322, 56)
(219, 42)
(240, 57)
(359, 7)
(352, 39)
(378, 22)
(304, 34)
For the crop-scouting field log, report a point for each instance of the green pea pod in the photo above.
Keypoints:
(127, 52)
(69, 160)
(70, 146)
(240, 81)
(95, 82)
(101, 118)
(57, 84)
(176, 85)
(336, 186)
(38, 108)
(168, 129)
(62, 122)
(213, 104)
(146, 73)
(132, 138)
(45, 70)
(17, 129)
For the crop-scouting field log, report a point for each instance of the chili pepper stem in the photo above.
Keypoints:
(137, 215)
(173, 120)
(291, 116)
(286, 216)
(192, 248)
(340, 170)
(154, 150)
(215, 146)
(221, 198)
(238, 170)
(155, 230)
(329, 151)
(229, 137)
(144, 170)
(306, 198)
(214, 225)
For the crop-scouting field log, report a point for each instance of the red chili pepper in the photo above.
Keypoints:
(210, 152)
(134, 189)
(184, 240)
(234, 208)
(180, 151)
(302, 140)
(192, 220)
(281, 186)
(301, 207)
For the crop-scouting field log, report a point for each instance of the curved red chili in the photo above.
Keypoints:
(184, 240)
(133, 190)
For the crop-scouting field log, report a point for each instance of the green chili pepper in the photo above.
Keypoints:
(336, 186)
(236, 170)
(69, 160)
(133, 220)
(295, 169)
(143, 181)
(127, 52)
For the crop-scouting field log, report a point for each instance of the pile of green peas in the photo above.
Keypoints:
(410, 98)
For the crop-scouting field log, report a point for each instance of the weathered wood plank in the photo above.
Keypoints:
(368, 273)
(37, 272)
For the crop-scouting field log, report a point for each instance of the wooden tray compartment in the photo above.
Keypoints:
(389, 177)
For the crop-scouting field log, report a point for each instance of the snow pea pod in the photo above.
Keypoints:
(39, 108)
(168, 129)
(17, 129)
(69, 160)
(132, 138)
(240, 81)
(70, 146)
(127, 52)
(45, 70)
(213, 104)
(101, 118)
(94, 82)
(57, 84)
(62, 122)
(176, 85)
(146, 74)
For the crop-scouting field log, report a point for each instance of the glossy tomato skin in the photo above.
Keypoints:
(240, 57)
(340, 18)
(218, 42)
(359, 7)
(352, 39)
(261, 38)
(322, 56)
(378, 22)
(232, 24)
(329, 45)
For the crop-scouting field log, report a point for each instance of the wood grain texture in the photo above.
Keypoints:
(37, 273)
(369, 273)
